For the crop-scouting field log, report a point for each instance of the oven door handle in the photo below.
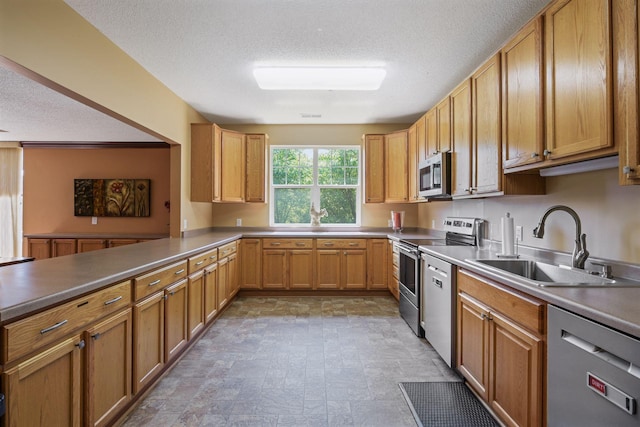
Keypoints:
(411, 253)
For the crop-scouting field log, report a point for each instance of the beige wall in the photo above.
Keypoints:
(257, 215)
(48, 41)
(48, 188)
(610, 214)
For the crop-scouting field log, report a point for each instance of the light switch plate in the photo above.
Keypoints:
(94, 220)
(519, 234)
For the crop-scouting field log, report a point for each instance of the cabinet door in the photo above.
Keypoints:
(354, 269)
(431, 125)
(516, 370)
(300, 267)
(523, 120)
(87, 245)
(274, 269)
(473, 343)
(114, 243)
(486, 150)
(444, 126)
(46, 388)
(461, 139)
(233, 167)
(255, 167)
(377, 264)
(195, 305)
(251, 264)
(108, 368)
(374, 168)
(223, 282)
(204, 168)
(412, 159)
(211, 292)
(175, 319)
(233, 276)
(61, 247)
(328, 263)
(396, 163)
(578, 83)
(39, 248)
(148, 340)
(421, 136)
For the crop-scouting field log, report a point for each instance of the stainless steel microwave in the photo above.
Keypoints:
(435, 176)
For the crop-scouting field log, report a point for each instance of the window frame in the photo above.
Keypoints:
(315, 187)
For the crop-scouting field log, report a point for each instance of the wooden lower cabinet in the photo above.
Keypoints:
(300, 269)
(195, 304)
(328, 268)
(210, 292)
(223, 282)
(251, 264)
(500, 342)
(148, 340)
(234, 276)
(108, 368)
(341, 269)
(175, 319)
(61, 247)
(287, 269)
(377, 264)
(393, 275)
(39, 248)
(47, 388)
(87, 245)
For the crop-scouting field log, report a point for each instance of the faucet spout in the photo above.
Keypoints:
(580, 253)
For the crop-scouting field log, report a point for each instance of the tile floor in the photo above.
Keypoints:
(296, 361)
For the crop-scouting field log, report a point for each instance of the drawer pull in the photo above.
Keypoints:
(300, 244)
(213, 257)
(328, 243)
(82, 303)
(155, 282)
(179, 271)
(275, 243)
(200, 262)
(353, 244)
(80, 345)
(51, 328)
(111, 301)
(95, 336)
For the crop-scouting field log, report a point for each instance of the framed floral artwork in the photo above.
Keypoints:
(112, 197)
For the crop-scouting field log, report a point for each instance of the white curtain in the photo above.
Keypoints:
(10, 201)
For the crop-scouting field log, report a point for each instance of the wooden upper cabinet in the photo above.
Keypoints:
(412, 159)
(431, 131)
(374, 168)
(421, 135)
(233, 167)
(255, 180)
(486, 150)
(461, 137)
(579, 77)
(444, 142)
(205, 162)
(396, 162)
(522, 101)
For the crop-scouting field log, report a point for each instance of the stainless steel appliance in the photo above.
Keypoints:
(434, 176)
(437, 307)
(459, 231)
(593, 373)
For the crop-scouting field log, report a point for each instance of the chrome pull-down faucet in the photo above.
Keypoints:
(580, 253)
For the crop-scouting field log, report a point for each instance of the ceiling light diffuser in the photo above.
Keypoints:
(319, 78)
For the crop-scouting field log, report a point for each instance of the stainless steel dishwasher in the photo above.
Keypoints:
(437, 316)
(593, 373)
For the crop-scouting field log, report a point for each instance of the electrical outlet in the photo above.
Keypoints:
(238, 222)
(184, 224)
(94, 220)
(433, 224)
(519, 233)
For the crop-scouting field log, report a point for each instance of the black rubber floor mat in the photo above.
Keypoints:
(445, 404)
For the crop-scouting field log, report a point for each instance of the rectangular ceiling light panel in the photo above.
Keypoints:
(319, 78)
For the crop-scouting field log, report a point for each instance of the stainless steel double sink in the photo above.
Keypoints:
(549, 275)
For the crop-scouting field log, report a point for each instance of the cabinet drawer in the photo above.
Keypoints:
(396, 259)
(342, 243)
(523, 309)
(203, 260)
(228, 249)
(158, 279)
(287, 243)
(26, 335)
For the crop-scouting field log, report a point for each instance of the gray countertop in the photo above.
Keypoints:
(32, 286)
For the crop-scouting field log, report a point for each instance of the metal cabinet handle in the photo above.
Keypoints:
(627, 170)
(80, 345)
(95, 336)
(200, 262)
(179, 271)
(213, 256)
(546, 152)
(534, 155)
(275, 243)
(300, 244)
(328, 243)
(111, 301)
(155, 282)
(353, 243)
(51, 328)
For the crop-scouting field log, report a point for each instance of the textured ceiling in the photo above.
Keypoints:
(205, 51)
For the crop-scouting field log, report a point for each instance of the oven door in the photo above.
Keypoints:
(409, 274)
